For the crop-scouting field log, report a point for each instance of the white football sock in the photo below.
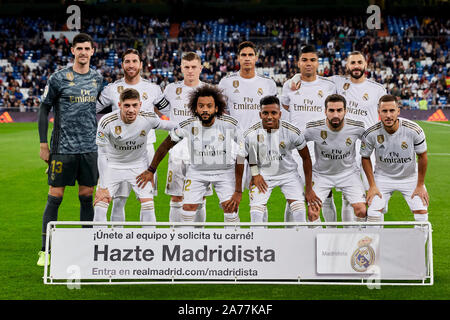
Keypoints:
(329, 210)
(100, 212)
(175, 211)
(118, 209)
(148, 213)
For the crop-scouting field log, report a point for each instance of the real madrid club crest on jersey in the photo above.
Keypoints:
(364, 256)
(145, 96)
(320, 93)
(404, 145)
(348, 142)
(120, 89)
(365, 96)
(260, 91)
(142, 133)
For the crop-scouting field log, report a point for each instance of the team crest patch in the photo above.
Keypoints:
(260, 91)
(118, 129)
(145, 96)
(70, 76)
(94, 83)
(282, 144)
(366, 96)
(404, 145)
(363, 257)
(323, 134)
(363, 146)
(260, 138)
(120, 89)
(320, 93)
(221, 137)
(236, 83)
(380, 138)
(348, 142)
(142, 133)
(346, 86)
(194, 131)
(179, 90)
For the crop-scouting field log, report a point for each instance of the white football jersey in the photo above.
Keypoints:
(110, 96)
(243, 96)
(174, 101)
(272, 151)
(334, 150)
(212, 149)
(126, 144)
(395, 154)
(362, 98)
(308, 102)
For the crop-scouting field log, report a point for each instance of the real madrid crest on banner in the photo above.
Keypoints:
(404, 145)
(179, 90)
(145, 96)
(323, 134)
(348, 142)
(120, 89)
(363, 257)
(346, 86)
(118, 130)
(260, 91)
(380, 138)
(69, 76)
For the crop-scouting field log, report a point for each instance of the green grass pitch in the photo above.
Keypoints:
(23, 197)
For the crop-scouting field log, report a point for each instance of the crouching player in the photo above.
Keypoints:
(334, 146)
(217, 152)
(396, 141)
(122, 156)
(269, 144)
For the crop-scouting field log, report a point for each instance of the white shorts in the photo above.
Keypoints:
(116, 177)
(195, 188)
(176, 175)
(406, 187)
(291, 187)
(299, 160)
(125, 188)
(349, 182)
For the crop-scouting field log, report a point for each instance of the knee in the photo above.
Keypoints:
(420, 212)
(176, 199)
(360, 210)
(56, 192)
(85, 191)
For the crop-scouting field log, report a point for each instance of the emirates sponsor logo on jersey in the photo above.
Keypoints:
(404, 145)
(380, 138)
(118, 129)
(346, 86)
(70, 76)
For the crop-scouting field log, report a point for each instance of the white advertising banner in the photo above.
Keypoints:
(236, 254)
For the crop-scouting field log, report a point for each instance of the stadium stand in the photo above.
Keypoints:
(410, 57)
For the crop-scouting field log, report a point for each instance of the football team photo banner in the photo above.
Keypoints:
(253, 254)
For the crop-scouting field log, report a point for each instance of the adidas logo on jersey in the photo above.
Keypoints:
(324, 143)
(236, 91)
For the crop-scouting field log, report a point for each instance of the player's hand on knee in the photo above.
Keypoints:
(313, 200)
(422, 193)
(260, 183)
(372, 192)
(313, 215)
(102, 195)
(144, 178)
(232, 205)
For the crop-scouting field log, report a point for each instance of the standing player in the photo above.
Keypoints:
(269, 144)
(216, 152)
(334, 146)
(110, 96)
(243, 91)
(306, 103)
(362, 97)
(174, 103)
(396, 141)
(122, 134)
(72, 155)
